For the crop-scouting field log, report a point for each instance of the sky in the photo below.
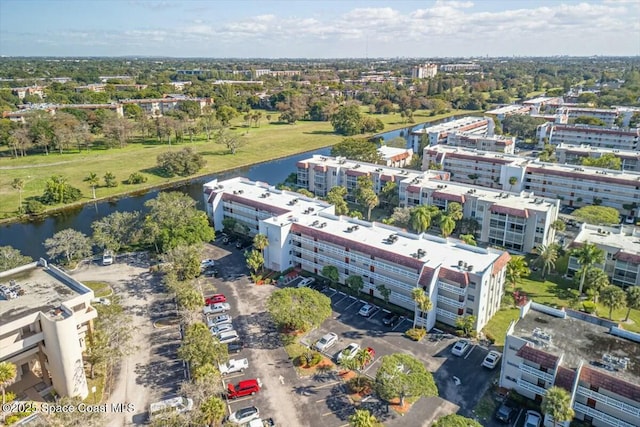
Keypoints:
(319, 28)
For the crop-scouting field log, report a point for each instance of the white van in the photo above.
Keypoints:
(164, 408)
(107, 258)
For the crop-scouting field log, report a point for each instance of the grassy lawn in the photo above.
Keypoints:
(269, 141)
(100, 289)
(555, 292)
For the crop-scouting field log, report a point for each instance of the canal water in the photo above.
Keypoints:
(28, 237)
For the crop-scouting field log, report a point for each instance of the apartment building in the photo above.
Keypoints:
(621, 245)
(92, 87)
(498, 143)
(160, 106)
(608, 116)
(45, 316)
(575, 186)
(22, 114)
(540, 103)
(574, 154)
(459, 67)
(426, 71)
(105, 79)
(21, 92)
(395, 157)
(591, 358)
(180, 85)
(304, 233)
(505, 111)
(619, 139)
(516, 221)
(437, 134)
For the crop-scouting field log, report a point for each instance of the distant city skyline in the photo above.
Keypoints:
(319, 29)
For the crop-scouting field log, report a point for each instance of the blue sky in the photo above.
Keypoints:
(319, 29)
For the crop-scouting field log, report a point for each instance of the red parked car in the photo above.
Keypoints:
(214, 299)
(243, 388)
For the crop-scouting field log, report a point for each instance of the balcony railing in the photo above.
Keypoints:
(531, 387)
(536, 372)
(451, 302)
(446, 314)
(609, 401)
(450, 288)
(601, 416)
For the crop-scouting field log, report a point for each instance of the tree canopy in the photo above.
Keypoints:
(607, 161)
(68, 244)
(200, 348)
(455, 420)
(184, 162)
(401, 376)
(356, 149)
(298, 309)
(598, 215)
(12, 258)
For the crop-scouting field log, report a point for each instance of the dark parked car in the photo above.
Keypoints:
(235, 347)
(390, 319)
(506, 414)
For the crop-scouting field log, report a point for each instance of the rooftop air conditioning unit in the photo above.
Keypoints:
(460, 263)
(470, 268)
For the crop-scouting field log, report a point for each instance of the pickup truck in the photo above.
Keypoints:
(233, 365)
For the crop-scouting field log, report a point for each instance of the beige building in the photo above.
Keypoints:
(426, 71)
(497, 143)
(595, 136)
(395, 157)
(304, 233)
(574, 154)
(437, 134)
(594, 360)
(501, 113)
(45, 316)
(621, 248)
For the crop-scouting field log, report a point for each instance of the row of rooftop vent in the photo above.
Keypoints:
(265, 195)
(293, 201)
(464, 266)
(351, 229)
(318, 224)
(238, 191)
(11, 291)
(420, 253)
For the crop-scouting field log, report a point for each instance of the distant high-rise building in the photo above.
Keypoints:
(424, 71)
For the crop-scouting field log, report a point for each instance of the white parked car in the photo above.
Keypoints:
(233, 365)
(244, 415)
(306, 282)
(366, 310)
(492, 359)
(206, 263)
(533, 419)
(103, 301)
(107, 258)
(349, 352)
(225, 327)
(220, 307)
(326, 341)
(228, 337)
(460, 347)
(220, 319)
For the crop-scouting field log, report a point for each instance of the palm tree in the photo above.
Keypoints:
(516, 269)
(420, 219)
(512, 181)
(595, 281)
(587, 255)
(8, 372)
(557, 404)
(331, 273)
(212, 411)
(632, 300)
(423, 303)
(18, 184)
(93, 181)
(468, 239)
(454, 210)
(447, 225)
(547, 256)
(612, 297)
(260, 242)
(363, 418)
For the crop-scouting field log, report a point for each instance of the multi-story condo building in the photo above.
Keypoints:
(426, 71)
(437, 134)
(501, 113)
(45, 316)
(395, 157)
(574, 154)
(619, 139)
(575, 186)
(303, 233)
(459, 67)
(21, 92)
(608, 116)
(23, 113)
(160, 106)
(517, 221)
(499, 143)
(621, 245)
(593, 359)
(540, 103)
(92, 87)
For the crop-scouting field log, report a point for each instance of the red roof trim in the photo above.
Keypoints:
(254, 204)
(445, 196)
(522, 213)
(500, 263)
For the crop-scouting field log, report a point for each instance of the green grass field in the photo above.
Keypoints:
(269, 141)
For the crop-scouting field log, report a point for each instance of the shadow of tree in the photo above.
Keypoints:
(339, 403)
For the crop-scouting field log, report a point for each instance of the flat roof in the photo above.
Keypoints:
(388, 152)
(451, 125)
(507, 109)
(439, 251)
(370, 168)
(474, 152)
(586, 148)
(42, 293)
(626, 237)
(579, 340)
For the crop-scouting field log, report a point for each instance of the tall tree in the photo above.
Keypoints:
(595, 281)
(93, 181)
(200, 348)
(11, 258)
(18, 184)
(455, 420)
(347, 120)
(612, 297)
(420, 218)
(260, 242)
(454, 210)
(354, 283)
(117, 230)
(547, 257)
(69, 243)
(465, 325)
(212, 411)
(331, 273)
(447, 225)
(337, 196)
(423, 303)
(468, 239)
(184, 262)
(255, 260)
(230, 140)
(557, 404)
(8, 372)
(298, 309)
(401, 376)
(184, 162)
(58, 190)
(363, 418)
(384, 291)
(632, 300)
(587, 255)
(361, 150)
(517, 268)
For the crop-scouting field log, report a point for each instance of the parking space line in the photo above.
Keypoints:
(399, 323)
(326, 385)
(470, 351)
(340, 300)
(354, 302)
(365, 370)
(240, 399)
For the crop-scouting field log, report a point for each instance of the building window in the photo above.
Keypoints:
(472, 285)
(469, 310)
(471, 297)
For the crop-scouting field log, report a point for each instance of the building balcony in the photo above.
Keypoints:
(446, 314)
(22, 344)
(526, 385)
(601, 416)
(451, 288)
(609, 401)
(451, 302)
(536, 372)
